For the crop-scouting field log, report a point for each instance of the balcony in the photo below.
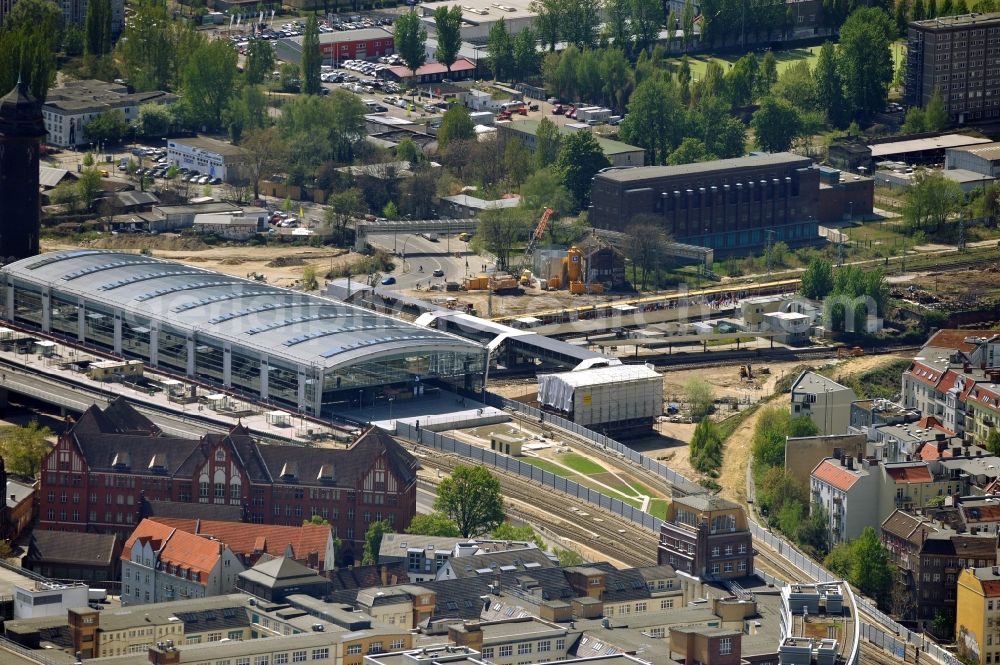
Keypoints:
(903, 501)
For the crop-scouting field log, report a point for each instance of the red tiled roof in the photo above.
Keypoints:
(910, 474)
(926, 373)
(251, 540)
(986, 513)
(955, 339)
(460, 65)
(929, 451)
(991, 588)
(177, 547)
(830, 472)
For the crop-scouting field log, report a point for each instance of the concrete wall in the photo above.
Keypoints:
(803, 453)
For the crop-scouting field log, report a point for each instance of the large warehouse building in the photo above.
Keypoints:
(299, 351)
(731, 205)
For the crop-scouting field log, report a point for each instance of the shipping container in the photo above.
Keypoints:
(617, 398)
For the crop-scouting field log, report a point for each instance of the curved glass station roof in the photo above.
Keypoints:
(305, 329)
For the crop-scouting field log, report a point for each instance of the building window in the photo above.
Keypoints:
(280, 658)
(560, 645)
(298, 656)
(353, 649)
(203, 489)
(321, 654)
(487, 652)
(523, 648)
(261, 660)
(544, 646)
(725, 646)
(506, 651)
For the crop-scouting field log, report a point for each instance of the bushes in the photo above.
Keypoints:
(706, 447)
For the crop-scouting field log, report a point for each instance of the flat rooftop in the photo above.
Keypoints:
(990, 151)
(943, 142)
(750, 162)
(961, 21)
(209, 145)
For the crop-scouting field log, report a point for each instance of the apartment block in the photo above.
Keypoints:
(978, 615)
(959, 56)
(824, 401)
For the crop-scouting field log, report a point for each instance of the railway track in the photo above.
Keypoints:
(588, 525)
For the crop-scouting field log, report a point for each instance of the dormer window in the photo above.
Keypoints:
(325, 473)
(121, 460)
(220, 455)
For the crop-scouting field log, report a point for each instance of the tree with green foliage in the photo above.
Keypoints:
(89, 184)
(857, 294)
(930, 201)
(699, 397)
(499, 230)
(154, 50)
(864, 59)
(548, 21)
(840, 560)
(524, 533)
(408, 151)
(154, 121)
(936, 115)
(259, 61)
(544, 188)
(456, 125)
(797, 85)
(706, 447)
(871, 570)
(817, 280)
(319, 129)
(471, 498)
(547, 140)
(73, 41)
(97, 28)
(656, 119)
(918, 11)
(317, 520)
(448, 31)
(500, 50)
(690, 150)
(813, 533)
(410, 40)
(373, 541)
(645, 21)
(27, 53)
(775, 125)
(568, 557)
(435, 524)
(992, 442)
(579, 22)
(107, 127)
(915, 121)
(580, 158)
(741, 80)
(774, 425)
(830, 96)
(687, 24)
(767, 75)
(343, 206)
(901, 13)
(312, 58)
(518, 162)
(208, 82)
(24, 448)
(527, 59)
(245, 111)
(777, 487)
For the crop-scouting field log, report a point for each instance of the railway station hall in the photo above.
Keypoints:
(299, 351)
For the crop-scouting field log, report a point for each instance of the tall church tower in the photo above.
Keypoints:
(22, 129)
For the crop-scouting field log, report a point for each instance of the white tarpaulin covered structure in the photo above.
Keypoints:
(604, 395)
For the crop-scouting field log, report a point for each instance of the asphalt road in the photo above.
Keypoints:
(416, 252)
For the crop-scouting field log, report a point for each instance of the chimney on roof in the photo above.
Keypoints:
(967, 368)
(956, 452)
(850, 463)
(312, 560)
(838, 453)
(843, 461)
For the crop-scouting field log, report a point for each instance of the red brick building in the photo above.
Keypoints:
(109, 463)
(336, 47)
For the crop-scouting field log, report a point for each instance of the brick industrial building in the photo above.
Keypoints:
(707, 537)
(106, 465)
(731, 204)
(957, 55)
(336, 47)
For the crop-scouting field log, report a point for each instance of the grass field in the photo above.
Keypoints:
(785, 58)
(592, 475)
(658, 508)
(581, 464)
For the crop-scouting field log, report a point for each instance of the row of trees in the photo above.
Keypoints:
(855, 293)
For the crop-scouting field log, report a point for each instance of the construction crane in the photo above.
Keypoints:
(536, 235)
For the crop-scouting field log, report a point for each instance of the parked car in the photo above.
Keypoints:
(388, 281)
(438, 272)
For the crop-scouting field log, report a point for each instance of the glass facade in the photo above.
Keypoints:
(99, 327)
(172, 350)
(65, 317)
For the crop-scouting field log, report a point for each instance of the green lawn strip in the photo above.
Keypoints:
(658, 508)
(581, 464)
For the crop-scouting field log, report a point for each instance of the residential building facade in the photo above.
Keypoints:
(824, 401)
(161, 564)
(928, 557)
(955, 56)
(978, 614)
(110, 461)
(706, 537)
(69, 107)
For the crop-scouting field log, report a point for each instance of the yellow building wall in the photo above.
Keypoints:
(970, 618)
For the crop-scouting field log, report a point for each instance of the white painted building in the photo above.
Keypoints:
(209, 157)
(241, 225)
(47, 600)
(824, 401)
(70, 107)
(161, 563)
